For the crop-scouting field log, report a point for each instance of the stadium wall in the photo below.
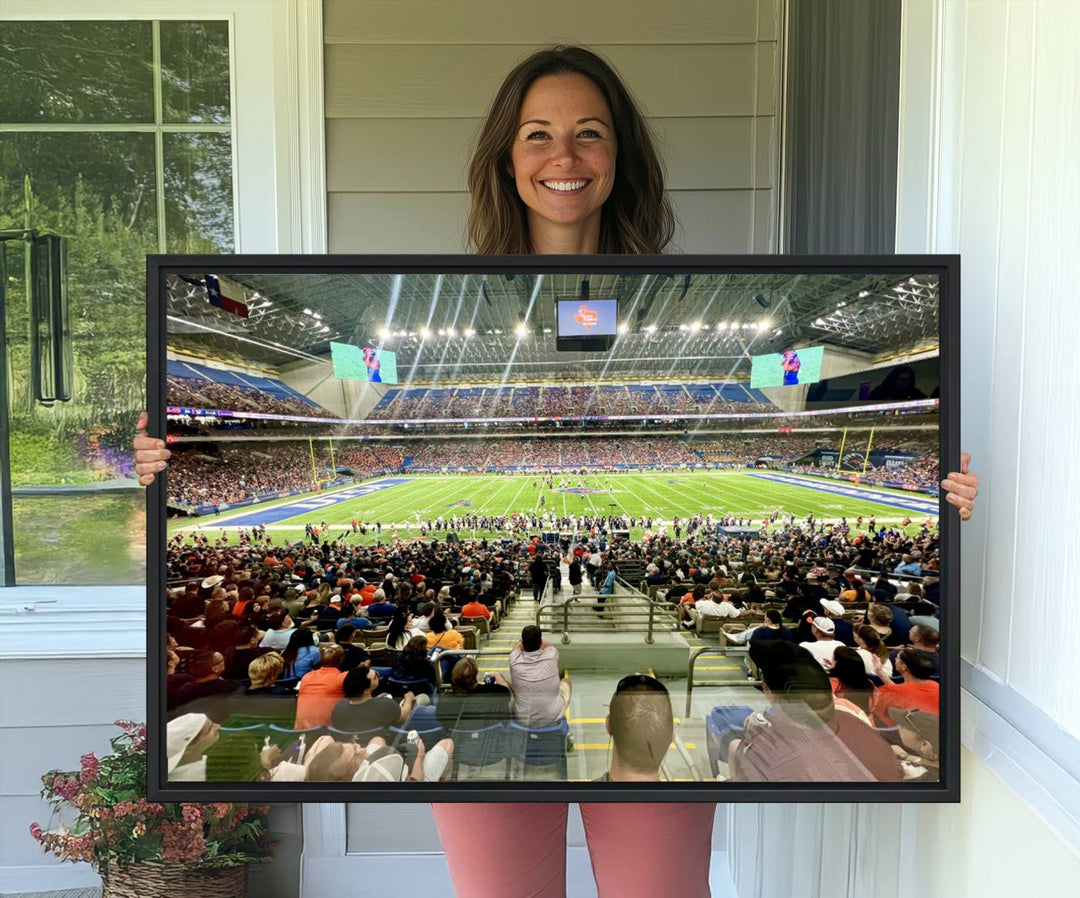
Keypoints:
(351, 399)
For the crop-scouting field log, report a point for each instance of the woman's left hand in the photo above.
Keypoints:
(962, 487)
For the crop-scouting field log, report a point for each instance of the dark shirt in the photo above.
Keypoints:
(376, 713)
(381, 609)
(763, 633)
(189, 692)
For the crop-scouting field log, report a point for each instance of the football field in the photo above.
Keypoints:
(403, 502)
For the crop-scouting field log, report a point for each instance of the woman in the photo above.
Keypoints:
(874, 652)
(857, 593)
(852, 690)
(565, 164)
(442, 635)
(300, 655)
(401, 630)
(413, 664)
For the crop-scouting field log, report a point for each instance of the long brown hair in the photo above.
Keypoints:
(637, 216)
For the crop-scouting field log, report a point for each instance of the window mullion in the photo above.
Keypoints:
(159, 136)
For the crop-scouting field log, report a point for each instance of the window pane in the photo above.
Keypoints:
(195, 72)
(76, 72)
(81, 539)
(198, 193)
(97, 190)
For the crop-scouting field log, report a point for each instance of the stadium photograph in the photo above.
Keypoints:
(552, 527)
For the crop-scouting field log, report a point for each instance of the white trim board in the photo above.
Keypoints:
(277, 102)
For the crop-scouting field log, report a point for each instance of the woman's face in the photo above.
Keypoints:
(563, 154)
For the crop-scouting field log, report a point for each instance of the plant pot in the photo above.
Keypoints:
(153, 880)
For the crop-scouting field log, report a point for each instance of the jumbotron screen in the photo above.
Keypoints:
(588, 317)
(433, 530)
(364, 363)
(787, 368)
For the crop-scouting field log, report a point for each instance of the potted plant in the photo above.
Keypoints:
(142, 848)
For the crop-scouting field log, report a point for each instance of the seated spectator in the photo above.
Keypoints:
(381, 607)
(474, 705)
(187, 739)
(247, 649)
(773, 628)
(361, 709)
(263, 673)
(917, 691)
(824, 643)
(642, 727)
(401, 630)
(852, 690)
(709, 607)
(355, 655)
(874, 653)
(331, 761)
(301, 655)
(173, 680)
(920, 735)
(320, 690)
(541, 698)
(476, 608)
(279, 632)
(441, 635)
(802, 737)
(352, 616)
(207, 669)
(413, 664)
(923, 615)
(924, 640)
(422, 621)
(857, 592)
(844, 632)
(880, 617)
(908, 567)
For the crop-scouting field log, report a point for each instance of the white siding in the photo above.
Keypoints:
(408, 83)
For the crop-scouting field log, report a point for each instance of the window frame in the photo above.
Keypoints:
(285, 149)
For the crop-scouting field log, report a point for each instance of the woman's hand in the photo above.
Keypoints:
(962, 487)
(150, 454)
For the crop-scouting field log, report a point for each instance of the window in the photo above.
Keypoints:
(118, 136)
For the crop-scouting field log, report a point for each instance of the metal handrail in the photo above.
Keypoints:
(723, 651)
(654, 611)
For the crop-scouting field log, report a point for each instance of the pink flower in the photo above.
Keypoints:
(37, 832)
(192, 813)
(65, 788)
(89, 768)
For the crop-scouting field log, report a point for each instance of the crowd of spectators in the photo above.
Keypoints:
(269, 631)
(560, 401)
(190, 393)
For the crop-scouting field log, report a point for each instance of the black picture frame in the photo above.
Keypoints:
(947, 789)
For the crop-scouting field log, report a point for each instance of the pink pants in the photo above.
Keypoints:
(519, 850)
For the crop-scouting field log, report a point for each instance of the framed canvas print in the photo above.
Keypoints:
(543, 528)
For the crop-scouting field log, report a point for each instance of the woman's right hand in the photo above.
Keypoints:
(150, 454)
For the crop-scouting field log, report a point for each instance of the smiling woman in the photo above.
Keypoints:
(565, 164)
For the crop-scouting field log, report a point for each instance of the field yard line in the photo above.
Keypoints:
(509, 508)
(439, 495)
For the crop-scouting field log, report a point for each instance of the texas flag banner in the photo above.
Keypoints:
(214, 294)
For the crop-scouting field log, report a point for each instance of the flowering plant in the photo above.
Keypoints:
(115, 824)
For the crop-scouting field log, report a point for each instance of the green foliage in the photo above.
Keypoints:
(115, 824)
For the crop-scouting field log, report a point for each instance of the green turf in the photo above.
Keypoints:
(658, 494)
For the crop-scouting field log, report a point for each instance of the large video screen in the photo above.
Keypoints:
(364, 363)
(787, 368)
(410, 546)
(587, 317)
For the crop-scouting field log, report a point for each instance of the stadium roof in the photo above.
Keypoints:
(465, 328)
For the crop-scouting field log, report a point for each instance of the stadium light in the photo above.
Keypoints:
(522, 330)
(682, 327)
(385, 334)
(840, 305)
(425, 332)
(470, 333)
(650, 328)
(449, 332)
(863, 294)
(722, 326)
(623, 328)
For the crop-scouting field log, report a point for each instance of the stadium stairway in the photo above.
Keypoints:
(593, 688)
